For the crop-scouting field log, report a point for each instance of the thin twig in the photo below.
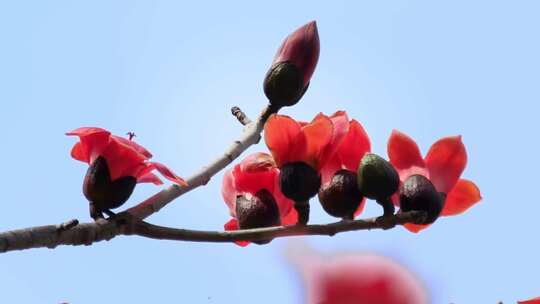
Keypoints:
(251, 136)
(126, 224)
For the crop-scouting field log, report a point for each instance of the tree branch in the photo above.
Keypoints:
(126, 224)
(251, 136)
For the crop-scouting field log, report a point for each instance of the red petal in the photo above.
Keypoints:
(329, 169)
(415, 228)
(318, 135)
(228, 191)
(290, 219)
(79, 153)
(445, 161)
(464, 194)
(284, 204)
(231, 226)
(168, 174)
(403, 151)
(340, 123)
(92, 142)
(149, 178)
(134, 145)
(122, 159)
(360, 208)
(354, 146)
(252, 182)
(280, 134)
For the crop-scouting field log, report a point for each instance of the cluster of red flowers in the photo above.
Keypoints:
(330, 157)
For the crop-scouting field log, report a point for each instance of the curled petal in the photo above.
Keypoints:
(463, 196)
(134, 145)
(232, 225)
(318, 135)
(92, 142)
(354, 146)
(446, 161)
(280, 134)
(150, 178)
(404, 152)
(168, 174)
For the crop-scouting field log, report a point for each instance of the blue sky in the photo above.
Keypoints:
(170, 71)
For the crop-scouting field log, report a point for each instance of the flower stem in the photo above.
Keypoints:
(302, 208)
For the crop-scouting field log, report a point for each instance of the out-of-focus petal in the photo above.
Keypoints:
(285, 205)
(446, 161)
(530, 301)
(149, 178)
(463, 196)
(354, 146)
(318, 135)
(403, 151)
(280, 134)
(232, 225)
(252, 182)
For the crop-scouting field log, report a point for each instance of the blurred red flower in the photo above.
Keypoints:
(357, 279)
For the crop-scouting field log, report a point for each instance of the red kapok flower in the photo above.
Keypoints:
(358, 279)
(256, 173)
(116, 165)
(349, 144)
(293, 66)
(443, 165)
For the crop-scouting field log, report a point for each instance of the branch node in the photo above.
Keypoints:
(241, 116)
(67, 225)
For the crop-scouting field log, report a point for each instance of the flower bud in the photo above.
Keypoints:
(418, 193)
(341, 197)
(293, 65)
(261, 210)
(103, 193)
(299, 181)
(377, 178)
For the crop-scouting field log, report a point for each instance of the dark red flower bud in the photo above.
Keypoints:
(341, 197)
(418, 193)
(377, 178)
(292, 67)
(102, 192)
(258, 211)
